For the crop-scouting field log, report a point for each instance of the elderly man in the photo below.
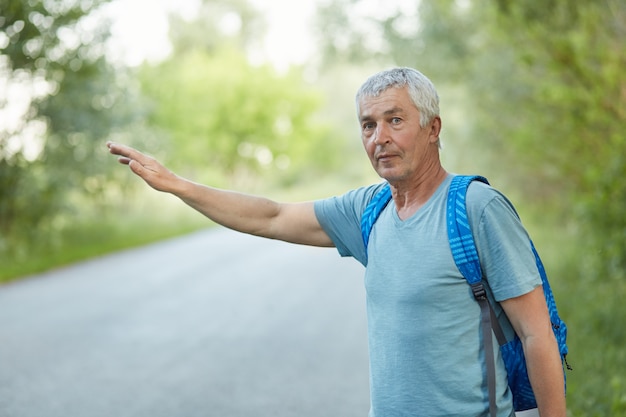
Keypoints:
(427, 356)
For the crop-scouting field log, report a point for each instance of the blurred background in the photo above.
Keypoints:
(258, 96)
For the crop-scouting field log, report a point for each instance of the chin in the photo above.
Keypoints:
(390, 173)
(391, 177)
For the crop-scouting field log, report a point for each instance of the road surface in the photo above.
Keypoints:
(211, 324)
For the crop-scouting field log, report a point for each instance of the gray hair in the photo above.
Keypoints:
(421, 90)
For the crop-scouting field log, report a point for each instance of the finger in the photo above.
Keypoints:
(136, 167)
(114, 148)
(125, 152)
(124, 160)
(119, 149)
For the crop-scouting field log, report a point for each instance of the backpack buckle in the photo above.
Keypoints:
(478, 289)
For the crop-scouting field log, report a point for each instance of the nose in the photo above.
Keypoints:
(381, 134)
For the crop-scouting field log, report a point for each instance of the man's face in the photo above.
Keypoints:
(397, 146)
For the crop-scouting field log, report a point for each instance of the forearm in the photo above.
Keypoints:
(531, 320)
(545, 371)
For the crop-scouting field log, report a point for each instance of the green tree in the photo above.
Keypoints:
(575, 116)
(65, 98)
(227, 115)
(224, 114)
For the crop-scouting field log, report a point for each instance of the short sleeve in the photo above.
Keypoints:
(340, 217)
(503, 245)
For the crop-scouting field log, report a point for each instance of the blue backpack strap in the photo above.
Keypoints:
(466, 258)
(376, 205)
(558, 325)
(459, 233)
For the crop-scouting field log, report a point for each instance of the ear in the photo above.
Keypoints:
(435, 129)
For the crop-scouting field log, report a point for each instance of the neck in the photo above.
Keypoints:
(410, 196)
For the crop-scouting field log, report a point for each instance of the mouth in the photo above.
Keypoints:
(384, 157)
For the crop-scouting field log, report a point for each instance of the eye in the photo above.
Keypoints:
(368, 126)
(396, 120)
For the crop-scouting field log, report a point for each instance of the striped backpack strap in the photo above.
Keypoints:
(376, 205)
(459, 233)
(466, 259)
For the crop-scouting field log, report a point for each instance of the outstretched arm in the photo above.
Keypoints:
(291, 222)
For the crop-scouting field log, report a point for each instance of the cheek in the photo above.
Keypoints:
(370, 149)
(368, 144)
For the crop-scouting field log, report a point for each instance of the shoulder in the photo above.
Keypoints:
(345, 210)
(340, 217)
(482, 197)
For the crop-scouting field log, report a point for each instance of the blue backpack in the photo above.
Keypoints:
(466, 258)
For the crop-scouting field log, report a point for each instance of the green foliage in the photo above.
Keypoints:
(226, 118)
(223, 113)
(223, 117)
(430, 36)
(594, 311)
(52, 56)
(37, 33)
(21, 184)
(575, 112)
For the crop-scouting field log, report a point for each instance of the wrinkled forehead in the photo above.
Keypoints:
(394, 98)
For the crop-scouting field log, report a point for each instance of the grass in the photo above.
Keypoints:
(90, 236)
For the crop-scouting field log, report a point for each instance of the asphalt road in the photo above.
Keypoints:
(212, 324)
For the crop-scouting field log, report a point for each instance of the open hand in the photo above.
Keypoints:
(146, 167)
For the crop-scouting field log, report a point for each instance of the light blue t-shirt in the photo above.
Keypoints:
(425, 343)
